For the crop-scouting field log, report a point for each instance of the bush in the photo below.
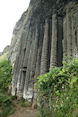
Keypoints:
(57, 91)
(5, 75)
(6, 102)
(7, 111)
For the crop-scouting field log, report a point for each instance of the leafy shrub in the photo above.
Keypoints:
(7, 111)
(6, 102)
(5, 75)
(57, 91)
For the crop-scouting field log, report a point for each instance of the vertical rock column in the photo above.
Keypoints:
(28, 91)
(64, 38)
(53, 59)
(44, 58)
(15, 79)
(14, 83)
(20, 84)
(77, 41)
(38, 63)
(28, 45)
(77, 32)
(69, 34)
(59, 42)
(75, 35)
(33, 62)
(34, 56)
(26, 83)
(22, 70)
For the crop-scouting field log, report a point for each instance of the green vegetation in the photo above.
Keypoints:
(5, 75)
(25, 103)
(3, 57)
(6, 103)
(58, 91)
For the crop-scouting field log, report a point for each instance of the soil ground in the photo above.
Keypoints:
(24, 112)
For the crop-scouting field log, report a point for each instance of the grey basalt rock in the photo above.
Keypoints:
(47, 34)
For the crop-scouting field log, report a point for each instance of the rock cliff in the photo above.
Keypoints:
(5, 50)
(46, 33)
(15, 42)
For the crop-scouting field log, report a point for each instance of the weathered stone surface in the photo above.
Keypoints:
(43, 37)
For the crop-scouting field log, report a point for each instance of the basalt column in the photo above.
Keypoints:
(64, 38)
(34, 55)
(38, 63)
(53, 60)
(59, 41)
(75, 35)
(20, 83)
(22, 71)
(44, 58)
(17, 71)
(69, 34)
(70, 31)
(25, 61)
(34, 61)
(28, 91)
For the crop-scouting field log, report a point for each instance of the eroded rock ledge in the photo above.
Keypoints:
(48, 33)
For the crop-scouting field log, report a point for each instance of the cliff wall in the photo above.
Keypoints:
(47, 34)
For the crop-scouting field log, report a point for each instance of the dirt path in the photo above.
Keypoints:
(24, 112)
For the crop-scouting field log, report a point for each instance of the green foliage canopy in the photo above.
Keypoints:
(58, 91)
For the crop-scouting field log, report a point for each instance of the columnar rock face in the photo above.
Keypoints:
(15, 42)
(54, 41)
(44, 57)
(48, 33)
